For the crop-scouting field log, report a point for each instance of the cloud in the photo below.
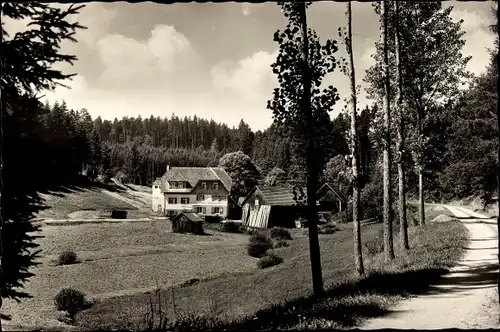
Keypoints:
(250, 78)
(477, 38)
(97, 19)
(148, 63)
(245, 9)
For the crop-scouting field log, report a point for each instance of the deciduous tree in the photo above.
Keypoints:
(301, 106)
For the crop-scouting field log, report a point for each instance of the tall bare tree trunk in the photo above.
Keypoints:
(1, 205)
(312, 175)
(387, 213)
(358, 254)
(403, 223)
(498, 147)
(421, 203)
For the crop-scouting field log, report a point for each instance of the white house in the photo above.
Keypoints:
(203, 190)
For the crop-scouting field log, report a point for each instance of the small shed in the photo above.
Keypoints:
(331, 199)
(187, 222)
(273, 206)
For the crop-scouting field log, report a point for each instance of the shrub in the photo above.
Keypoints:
(251, 231)
(231, 227)
(280, 233)
(328, 229)
(72, 301)
(376, 245)
(270, 259)
(281, 244)
(67, 257)
(259, 245)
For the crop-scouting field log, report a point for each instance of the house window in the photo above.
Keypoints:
(172, 200)
(256, 201)
(204, 185)
(181, 185)
(199, 209)
(185, 200)
(173, 185)
(215, 186)
(216, 210)
(200, 197)
(204, 210)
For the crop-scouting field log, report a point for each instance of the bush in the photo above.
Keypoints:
(72, 301)
(327, 229)
(281, 244)
(251, 231)
(67, 257)
(259, 245)
(270, 259)
(376, 245)
(231, 227)
(280, 233)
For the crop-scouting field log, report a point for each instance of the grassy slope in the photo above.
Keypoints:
(61, 203)
(434, 248)
(123, 258)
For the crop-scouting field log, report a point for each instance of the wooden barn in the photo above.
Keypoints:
(331, 199)
(187, 222)
(271, 206)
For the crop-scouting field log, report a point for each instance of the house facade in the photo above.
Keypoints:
(202, 190)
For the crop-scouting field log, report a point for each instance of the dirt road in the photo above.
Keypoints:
(465, 298)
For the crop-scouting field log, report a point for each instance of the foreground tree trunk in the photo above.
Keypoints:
(421, 203)
(312, 175)
(387, 213)
(1, 208)
(403, 223)
(498, 147)
(358, 254)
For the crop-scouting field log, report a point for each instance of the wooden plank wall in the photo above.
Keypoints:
(259, 217)
(245, 214)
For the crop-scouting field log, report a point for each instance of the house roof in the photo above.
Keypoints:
(282, 195)
(194, 174)
(334, 189)
(190, 215)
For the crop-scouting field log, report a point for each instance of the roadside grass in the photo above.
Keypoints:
(59, 205)
(279, 298)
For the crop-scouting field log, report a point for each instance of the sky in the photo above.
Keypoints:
(213, 60)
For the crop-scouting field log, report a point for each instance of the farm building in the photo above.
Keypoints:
(272, 206)
(187, 222)
(331, 199)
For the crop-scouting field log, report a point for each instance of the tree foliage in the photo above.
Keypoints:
(242, 171)
(28, 60)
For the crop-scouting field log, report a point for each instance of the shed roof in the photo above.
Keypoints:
(282, 195)
(190, 215)
(331, 186)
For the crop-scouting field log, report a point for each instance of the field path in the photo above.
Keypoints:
(464, 298)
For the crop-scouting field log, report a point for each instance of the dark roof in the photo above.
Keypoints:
(190, 215)
(282, 195)
(334, 189)
(195, 174)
